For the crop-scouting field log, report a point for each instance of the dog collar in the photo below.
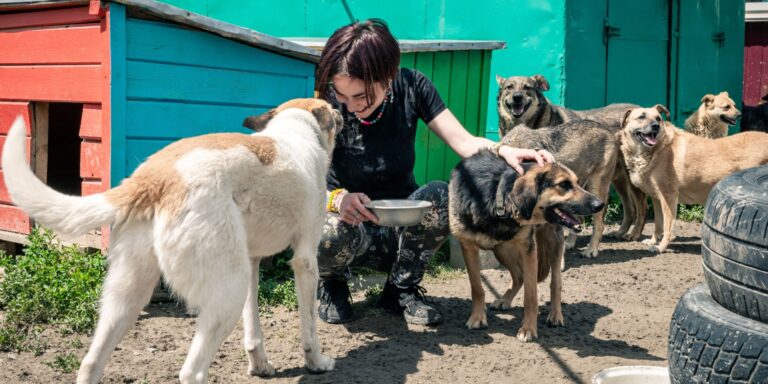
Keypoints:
(499, 206)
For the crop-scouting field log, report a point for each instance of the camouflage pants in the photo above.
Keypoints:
(408, 248)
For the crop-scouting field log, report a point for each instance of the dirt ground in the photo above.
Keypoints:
(617, 309)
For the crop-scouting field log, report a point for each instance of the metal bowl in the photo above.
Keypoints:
(632, 374)
(399, 212)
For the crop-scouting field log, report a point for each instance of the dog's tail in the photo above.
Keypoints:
(67, 215)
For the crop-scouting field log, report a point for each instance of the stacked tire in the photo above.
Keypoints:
(719, 332)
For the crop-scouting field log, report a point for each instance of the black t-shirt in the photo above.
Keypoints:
(378, 159)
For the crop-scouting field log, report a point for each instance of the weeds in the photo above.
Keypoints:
(48, 284)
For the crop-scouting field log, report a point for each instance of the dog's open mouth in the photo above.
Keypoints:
(647, 138)
(518, 109)
(728, 119)
(557, 215)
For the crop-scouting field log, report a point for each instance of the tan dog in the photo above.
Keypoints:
(713, 117)
(203, 211)
(674, 166)
(491, 207)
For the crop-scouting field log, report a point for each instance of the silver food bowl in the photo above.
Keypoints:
(399, 212)
(632, 374)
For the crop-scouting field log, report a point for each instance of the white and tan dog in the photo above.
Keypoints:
(203, 211)
(673, 166)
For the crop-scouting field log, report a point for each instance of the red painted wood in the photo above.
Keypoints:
(90, 123)
(755, 63)
(77, 45)
(74, 83)
(91, 187)
(14, 220)
(106, 106)
(66, 16)
(8, 112)
(91, 154)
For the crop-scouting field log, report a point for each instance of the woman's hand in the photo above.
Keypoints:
(515, 156)
(352, 211)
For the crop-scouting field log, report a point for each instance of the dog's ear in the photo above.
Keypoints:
(500, 80)
(257, 123)
(523, 196)
(708, 99)
(724, 93)
(541, 82)
(625, 118)
(324, 118)
(663, 110)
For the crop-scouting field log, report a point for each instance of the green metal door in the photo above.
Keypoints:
(711, 37)
(637, 38)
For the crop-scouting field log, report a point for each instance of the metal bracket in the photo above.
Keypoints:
(609, 31)
(719, 38)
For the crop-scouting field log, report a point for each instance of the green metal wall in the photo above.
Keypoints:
(534, 30)
(673, 60)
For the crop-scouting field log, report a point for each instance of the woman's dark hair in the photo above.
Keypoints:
(365, 50)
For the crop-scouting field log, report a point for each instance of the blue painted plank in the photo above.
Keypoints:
(137, 150)
(177, 120)
(117, 19)
(156, 81)
(168, 43)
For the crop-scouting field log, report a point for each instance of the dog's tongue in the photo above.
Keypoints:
(517, 110)
(650, 139)
(570, 219)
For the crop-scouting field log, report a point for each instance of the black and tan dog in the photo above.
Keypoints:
(491, 206)
(521, 100)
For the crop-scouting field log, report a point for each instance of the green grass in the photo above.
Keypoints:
(276, 284)
(49, 284)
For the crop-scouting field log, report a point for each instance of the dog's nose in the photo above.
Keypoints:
(738, 114)
(517, 96)
(655, 126)
(596, 205)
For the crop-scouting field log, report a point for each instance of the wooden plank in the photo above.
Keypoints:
(9, 110)
(425, 63)
(66, 16)
(170, 43)
(170, 82)
(114, 107)
(91, 163)
(231, 31)
(457, 102)
(91, 187)
(12, 219)
(75, 45)
(39, 142)
(441, 77)
(90, 123)
(72, 83)
(148, 119)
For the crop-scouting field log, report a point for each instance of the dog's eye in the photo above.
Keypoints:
(727, 107)
(508, 87)
(565, 185)
(526, 87)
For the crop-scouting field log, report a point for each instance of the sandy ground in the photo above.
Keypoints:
(617, 309)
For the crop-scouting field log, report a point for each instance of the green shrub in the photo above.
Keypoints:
(48, 284)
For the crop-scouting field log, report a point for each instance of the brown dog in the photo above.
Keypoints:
(713, 117)
(492, 207)
(673, 166)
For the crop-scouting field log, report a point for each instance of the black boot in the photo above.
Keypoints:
(335, 307)
(411, 303)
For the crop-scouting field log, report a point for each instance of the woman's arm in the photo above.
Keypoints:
(449, 129)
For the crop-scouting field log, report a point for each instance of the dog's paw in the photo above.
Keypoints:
(631, 237)
(589, 254)
(263, 369)
(477, 321)
(655, 249)
(617, 235)
(526, 334)
(501, 305)
(319, 363)
(651, 241)
(555, 319)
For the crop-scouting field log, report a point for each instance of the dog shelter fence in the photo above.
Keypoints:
(104, 84)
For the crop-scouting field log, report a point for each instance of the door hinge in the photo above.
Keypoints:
(719, 38)
(609, 31)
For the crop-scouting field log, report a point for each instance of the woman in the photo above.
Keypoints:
(374, 158)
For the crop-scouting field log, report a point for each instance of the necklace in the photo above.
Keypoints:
(387, 100)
